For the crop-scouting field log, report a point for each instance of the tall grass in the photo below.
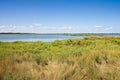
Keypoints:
(75, 59)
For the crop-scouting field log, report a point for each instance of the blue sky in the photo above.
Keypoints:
(60, 16)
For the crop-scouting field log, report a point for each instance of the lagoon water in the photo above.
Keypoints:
(41, 37)
(35, 37)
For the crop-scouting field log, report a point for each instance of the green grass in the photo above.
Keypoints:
(74, 59)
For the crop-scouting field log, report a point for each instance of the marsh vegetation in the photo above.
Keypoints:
(74, 59)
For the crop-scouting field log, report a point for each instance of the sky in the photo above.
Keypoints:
(60, 16)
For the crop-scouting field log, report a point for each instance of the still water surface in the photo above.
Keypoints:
(41, 37)
(34, 37)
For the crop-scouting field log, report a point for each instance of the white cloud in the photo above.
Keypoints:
(98, 26)
(108, 28)
(36, 28)
(66, 28)
(37, 24)
(40, 28)
(103, 28)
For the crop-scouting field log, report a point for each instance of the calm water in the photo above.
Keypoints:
(34, 37)
(40, 37)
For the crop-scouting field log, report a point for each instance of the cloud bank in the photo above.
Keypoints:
(103, 28)
(40, 28)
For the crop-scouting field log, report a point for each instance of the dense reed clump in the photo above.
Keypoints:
(74, 59)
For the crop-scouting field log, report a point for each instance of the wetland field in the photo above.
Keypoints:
(93, 58)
